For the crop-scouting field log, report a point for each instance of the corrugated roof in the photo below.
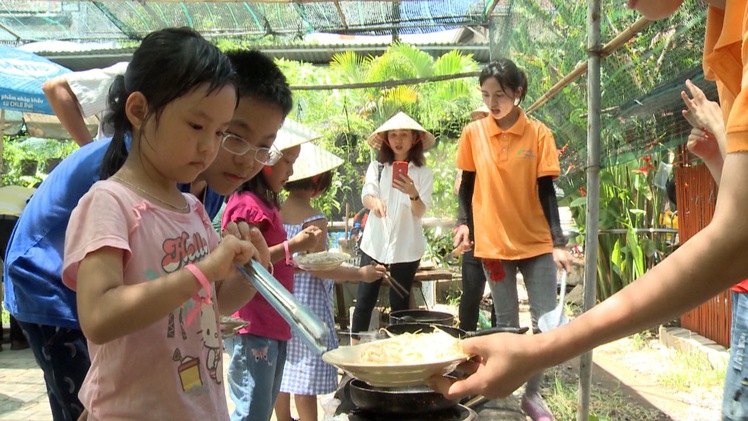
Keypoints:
(315, 54)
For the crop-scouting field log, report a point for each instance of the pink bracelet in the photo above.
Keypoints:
(289, 257)
(205, 283)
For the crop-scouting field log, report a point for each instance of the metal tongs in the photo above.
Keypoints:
(303, 321)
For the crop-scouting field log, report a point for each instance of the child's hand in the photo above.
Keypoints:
(371, 273)
(221, 261)
(250, 233)
(308, 239)
(707, 116)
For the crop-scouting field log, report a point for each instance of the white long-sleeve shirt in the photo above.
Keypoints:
(398, 237)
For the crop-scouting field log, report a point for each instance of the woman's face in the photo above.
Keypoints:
(277, 175)
(499, 102)
(400, 141)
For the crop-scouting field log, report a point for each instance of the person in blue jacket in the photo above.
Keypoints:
(35, 295)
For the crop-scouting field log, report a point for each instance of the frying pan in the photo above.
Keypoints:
(397, 400)
(421, 316)
(401, 328)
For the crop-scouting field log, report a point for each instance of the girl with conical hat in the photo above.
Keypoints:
(305, 375)
(393, 234)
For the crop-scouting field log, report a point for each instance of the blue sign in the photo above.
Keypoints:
(22, 74)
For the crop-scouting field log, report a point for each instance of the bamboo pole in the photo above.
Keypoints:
(581, 69)
(594, 53)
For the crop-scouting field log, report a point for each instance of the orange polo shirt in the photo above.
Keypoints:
(724, 44)
(509, 220)
(725, 57)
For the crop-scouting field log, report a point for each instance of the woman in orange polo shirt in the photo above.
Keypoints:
(509, 163)
(708, 263)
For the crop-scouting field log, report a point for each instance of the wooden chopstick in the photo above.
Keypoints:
(399, 289)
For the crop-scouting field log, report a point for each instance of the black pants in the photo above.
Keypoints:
(369, 292)
(16, 334)
(473, 285)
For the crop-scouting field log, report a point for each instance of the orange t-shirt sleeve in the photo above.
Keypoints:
(737, 122)
(547, 153)
(465, 150)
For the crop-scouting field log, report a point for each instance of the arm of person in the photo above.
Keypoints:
(109, 309)
(346, 273)
(308, 239)
(65, 105)
(549, 203)
(708, 263)
(465, 201)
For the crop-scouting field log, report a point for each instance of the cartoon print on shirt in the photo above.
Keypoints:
(179, 252)
(526, 153)
(211, 341)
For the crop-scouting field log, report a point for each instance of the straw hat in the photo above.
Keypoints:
(480, 112)
(400, 121)
(312, 161)
(292, 134)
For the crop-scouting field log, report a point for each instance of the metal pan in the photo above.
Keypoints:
(422, 316)
(400, 400)
(401, 328)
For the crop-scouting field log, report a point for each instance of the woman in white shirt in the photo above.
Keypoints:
(397, 199)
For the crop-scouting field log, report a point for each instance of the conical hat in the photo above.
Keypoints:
(292, 134)
(400, 121)
(312, 161)
(480, 112)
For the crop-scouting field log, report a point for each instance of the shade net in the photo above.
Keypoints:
(641, 81)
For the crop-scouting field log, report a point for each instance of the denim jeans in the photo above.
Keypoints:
(539, 274)
(735, 398)
(254, 375)
(63, 356)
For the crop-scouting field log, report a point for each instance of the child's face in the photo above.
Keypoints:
(400, 141)
(277, 175)
(185, 139)
(499, 102)
(258, 123)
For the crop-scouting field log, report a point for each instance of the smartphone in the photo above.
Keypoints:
(399, 168)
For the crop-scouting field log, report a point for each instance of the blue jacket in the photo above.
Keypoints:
(34, 292)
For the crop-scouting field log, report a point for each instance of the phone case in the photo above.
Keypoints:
(398, 168)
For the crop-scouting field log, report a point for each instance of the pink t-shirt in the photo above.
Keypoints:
(263, 319)
(171, 369)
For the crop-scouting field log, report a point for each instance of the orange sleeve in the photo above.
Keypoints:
(465, 149)
(547, 153)
(737, 122)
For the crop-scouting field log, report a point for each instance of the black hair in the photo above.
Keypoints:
(415, 154)
(258, 77)
(509, 76)
(259, 186)
(168, 64)
(319, 183)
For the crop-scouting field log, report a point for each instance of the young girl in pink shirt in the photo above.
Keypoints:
(149, 273)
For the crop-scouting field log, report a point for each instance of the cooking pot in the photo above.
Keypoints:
(401, 328)
(397, 400)
(422, 316)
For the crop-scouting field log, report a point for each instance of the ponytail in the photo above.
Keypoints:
(116, 118)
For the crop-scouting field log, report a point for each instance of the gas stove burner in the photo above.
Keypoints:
(456, 413)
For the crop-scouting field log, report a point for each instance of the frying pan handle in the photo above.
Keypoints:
(517, 330)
